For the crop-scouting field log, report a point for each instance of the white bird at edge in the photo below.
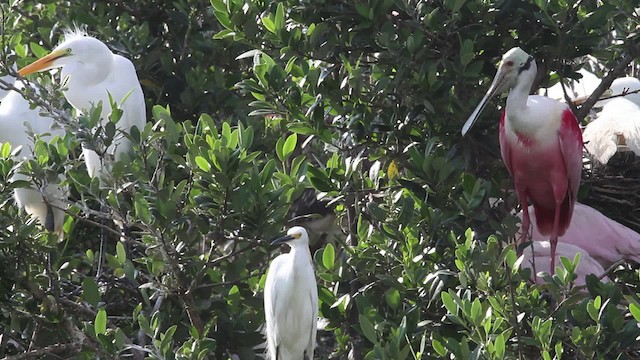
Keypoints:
(17, 119)
(291, 300)
(616, 127)
(92, 73)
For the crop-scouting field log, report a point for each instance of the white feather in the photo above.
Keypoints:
(16, 119)
(619, 119)
(624, 85)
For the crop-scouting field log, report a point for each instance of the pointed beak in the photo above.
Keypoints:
(281, 240)
(498, 85)
(43, 63)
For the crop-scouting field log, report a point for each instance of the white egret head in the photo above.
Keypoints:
(296, 237)
(76, 49)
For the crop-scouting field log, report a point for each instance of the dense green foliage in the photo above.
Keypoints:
(250, 102)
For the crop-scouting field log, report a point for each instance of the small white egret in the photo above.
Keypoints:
(16, 120)
(291, 300)
(91, 72)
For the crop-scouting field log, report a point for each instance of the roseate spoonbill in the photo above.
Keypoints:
(604, 239)
(541, 145)
(92, 73)
(616, 127)
(542, 251)
(17, 119)
(291, 300)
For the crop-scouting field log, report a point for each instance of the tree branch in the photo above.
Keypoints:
(605, 83)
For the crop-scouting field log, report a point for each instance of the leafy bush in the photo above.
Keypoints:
(251, 102)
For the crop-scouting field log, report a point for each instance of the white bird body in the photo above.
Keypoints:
(604, 239)
(16, 120)
(540, 256)
(538, 120)
(575, 88)
(91, 72)
(616, 127)
(623, 85)
(291, 301)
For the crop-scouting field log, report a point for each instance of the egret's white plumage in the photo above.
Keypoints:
(624, 85)
(91, 72)
(575, 88)
(17, 119)
(291, 300)
(616, 127)
(541, 255)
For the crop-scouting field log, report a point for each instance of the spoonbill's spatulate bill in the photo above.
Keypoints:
(541, 145)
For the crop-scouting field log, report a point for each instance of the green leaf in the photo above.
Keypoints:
(142, 209)
(269, 25)
(449, 304)
(289, 146)
(367, 329)
(280, 148)
(280, 20)
(499, 346)
(165, 345)
(21, 50)
(328, 257)
(466, 52)
(121, 255)
(635, 311)
(6, 150)
(37, 50)
(392, 296)
(203, 164)
(90, 291)
(457, 5)
(438, 347)
(101, 322)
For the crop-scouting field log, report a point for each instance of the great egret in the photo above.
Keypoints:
(91, 72)
(617, 127)
(291, 300)
(541, 145)
(16, 120)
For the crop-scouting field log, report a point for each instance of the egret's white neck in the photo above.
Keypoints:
(517, 99)
(300, 252)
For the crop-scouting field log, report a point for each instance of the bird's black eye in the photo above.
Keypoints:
(69, 51)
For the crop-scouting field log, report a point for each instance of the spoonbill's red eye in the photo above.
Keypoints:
(509, 63)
